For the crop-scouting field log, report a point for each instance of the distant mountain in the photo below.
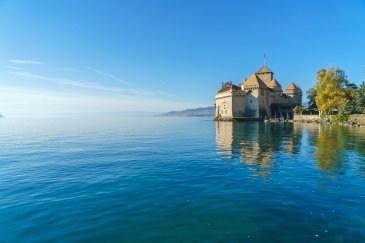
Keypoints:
(1, 116)
(305, 104)
(203, 111)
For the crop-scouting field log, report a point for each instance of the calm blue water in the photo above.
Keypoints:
(180, 180)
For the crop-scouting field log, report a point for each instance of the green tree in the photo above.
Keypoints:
(344, 111)
(311, 96)
(359, 99)
(350, 93)
(330, 89)
(298, 110)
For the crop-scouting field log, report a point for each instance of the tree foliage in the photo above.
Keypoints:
(333, 93)
(311, 96)
(359, 99)
(298, 109)
(344, 111)
(331, 89)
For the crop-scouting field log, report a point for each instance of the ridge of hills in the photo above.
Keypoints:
(201, 111)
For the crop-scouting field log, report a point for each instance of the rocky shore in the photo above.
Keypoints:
(356, 120)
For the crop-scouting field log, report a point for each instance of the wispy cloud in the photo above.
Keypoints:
(68, 82)
(93, 86)
(16, 101)
(84, 97)
(118, 79)
(130, 90)
(112, 76)
(12, 67)
(18, 61)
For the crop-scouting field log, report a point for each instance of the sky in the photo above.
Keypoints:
(73, 56)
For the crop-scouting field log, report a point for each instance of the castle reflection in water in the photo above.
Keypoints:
(264, 147)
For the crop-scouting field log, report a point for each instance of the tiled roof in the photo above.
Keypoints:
(264, 69)
(292, 86)
(254, 80)
(274, 84)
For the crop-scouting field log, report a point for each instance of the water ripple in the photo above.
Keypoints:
(169, 179)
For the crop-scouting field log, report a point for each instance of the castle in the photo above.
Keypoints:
(258, 97)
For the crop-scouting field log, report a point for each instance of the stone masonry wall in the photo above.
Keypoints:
(354, 120)
(307, 118)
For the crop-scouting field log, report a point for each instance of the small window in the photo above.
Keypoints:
(226, 111)
(250, 101)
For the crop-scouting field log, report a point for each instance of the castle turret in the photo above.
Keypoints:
(265, 74)
(256, 100)
(275, 86)
(294, 92)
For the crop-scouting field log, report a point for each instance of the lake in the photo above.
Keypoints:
(158, 179)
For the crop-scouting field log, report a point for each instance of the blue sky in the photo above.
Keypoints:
(92, 56)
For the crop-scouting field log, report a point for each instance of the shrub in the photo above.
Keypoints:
(340, 118)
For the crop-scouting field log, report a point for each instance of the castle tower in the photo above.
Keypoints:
(265, 74)
(256, 98)
(295, 93)
(276, 92)
(275, 86)
(229, 102)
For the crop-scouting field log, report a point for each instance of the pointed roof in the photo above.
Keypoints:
(292, 86)
(274, 84)
(264, 69)
(254, 80)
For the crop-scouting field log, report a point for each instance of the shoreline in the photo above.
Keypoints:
(355, 120)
